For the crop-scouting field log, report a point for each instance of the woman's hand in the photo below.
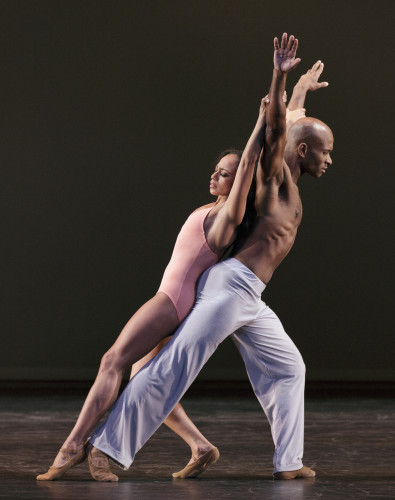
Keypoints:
(266, 100)
(309, 81)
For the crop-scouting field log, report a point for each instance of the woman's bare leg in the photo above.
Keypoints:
(155, 320)
(178, 421)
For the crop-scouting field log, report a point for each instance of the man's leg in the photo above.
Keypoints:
(277, 373)
(226, 299)
(179, 422)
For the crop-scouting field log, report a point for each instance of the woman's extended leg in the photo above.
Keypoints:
(179, 422)
(155, 320)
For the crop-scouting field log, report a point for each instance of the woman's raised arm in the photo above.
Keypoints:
(222, 231)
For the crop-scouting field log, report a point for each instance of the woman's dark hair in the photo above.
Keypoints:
(250, 214)
(230, 151)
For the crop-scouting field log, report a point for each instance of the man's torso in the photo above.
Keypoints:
(279, 213)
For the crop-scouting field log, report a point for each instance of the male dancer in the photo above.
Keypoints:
(228, 300)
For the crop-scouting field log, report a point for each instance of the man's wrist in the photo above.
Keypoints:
(278, 74)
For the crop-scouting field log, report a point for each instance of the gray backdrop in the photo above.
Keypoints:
(112, 113)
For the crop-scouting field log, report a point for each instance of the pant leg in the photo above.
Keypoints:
(277, 374)
(225, 301)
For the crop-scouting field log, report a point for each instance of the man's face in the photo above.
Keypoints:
(318, 155)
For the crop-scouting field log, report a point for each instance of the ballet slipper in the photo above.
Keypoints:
(303, 473)
(199, 465)
(75, 457)
(99, 465)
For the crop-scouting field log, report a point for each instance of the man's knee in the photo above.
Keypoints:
(299, 367)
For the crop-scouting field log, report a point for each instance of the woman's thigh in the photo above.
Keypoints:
(154, 321)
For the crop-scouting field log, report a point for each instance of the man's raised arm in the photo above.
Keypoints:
(284, 61)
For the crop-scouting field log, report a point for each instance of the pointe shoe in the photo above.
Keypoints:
(75, 458)
(99, 465)
(199, 465)
(303, 473)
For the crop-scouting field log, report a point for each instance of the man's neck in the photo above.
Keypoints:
(296, 171)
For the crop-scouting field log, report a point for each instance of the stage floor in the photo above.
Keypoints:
(350, 442)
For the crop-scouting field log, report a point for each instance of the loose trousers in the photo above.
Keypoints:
(228, 303)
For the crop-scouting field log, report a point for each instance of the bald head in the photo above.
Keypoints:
(309, 131)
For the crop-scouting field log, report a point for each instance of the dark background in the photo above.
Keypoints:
(112, 114)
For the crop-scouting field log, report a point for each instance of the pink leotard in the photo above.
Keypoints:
(191, 256)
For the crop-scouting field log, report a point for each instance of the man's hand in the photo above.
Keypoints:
(284, 56)
(309, 81)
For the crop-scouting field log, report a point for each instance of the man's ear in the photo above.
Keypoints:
(302, 149)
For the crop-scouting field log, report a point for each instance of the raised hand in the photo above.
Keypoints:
(264, 102)
(309, 81)
(284, 55)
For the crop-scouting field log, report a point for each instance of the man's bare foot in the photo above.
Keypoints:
(198, 463)
(303, 473)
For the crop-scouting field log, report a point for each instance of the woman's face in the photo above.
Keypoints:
(224, 174)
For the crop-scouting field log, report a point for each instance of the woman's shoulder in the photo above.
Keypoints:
(205, 207)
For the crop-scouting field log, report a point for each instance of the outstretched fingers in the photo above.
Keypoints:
(309, 81)
(318, 67)
(290, 42)
(294, 46)
(283, 42)
(284, 54)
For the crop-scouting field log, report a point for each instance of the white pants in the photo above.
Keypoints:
(228, 300)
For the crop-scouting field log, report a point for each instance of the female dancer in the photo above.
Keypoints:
(204, 237)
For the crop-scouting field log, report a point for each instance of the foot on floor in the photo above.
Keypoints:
(198, 465)
(99, 465)
(71, 458)
(303, 473)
